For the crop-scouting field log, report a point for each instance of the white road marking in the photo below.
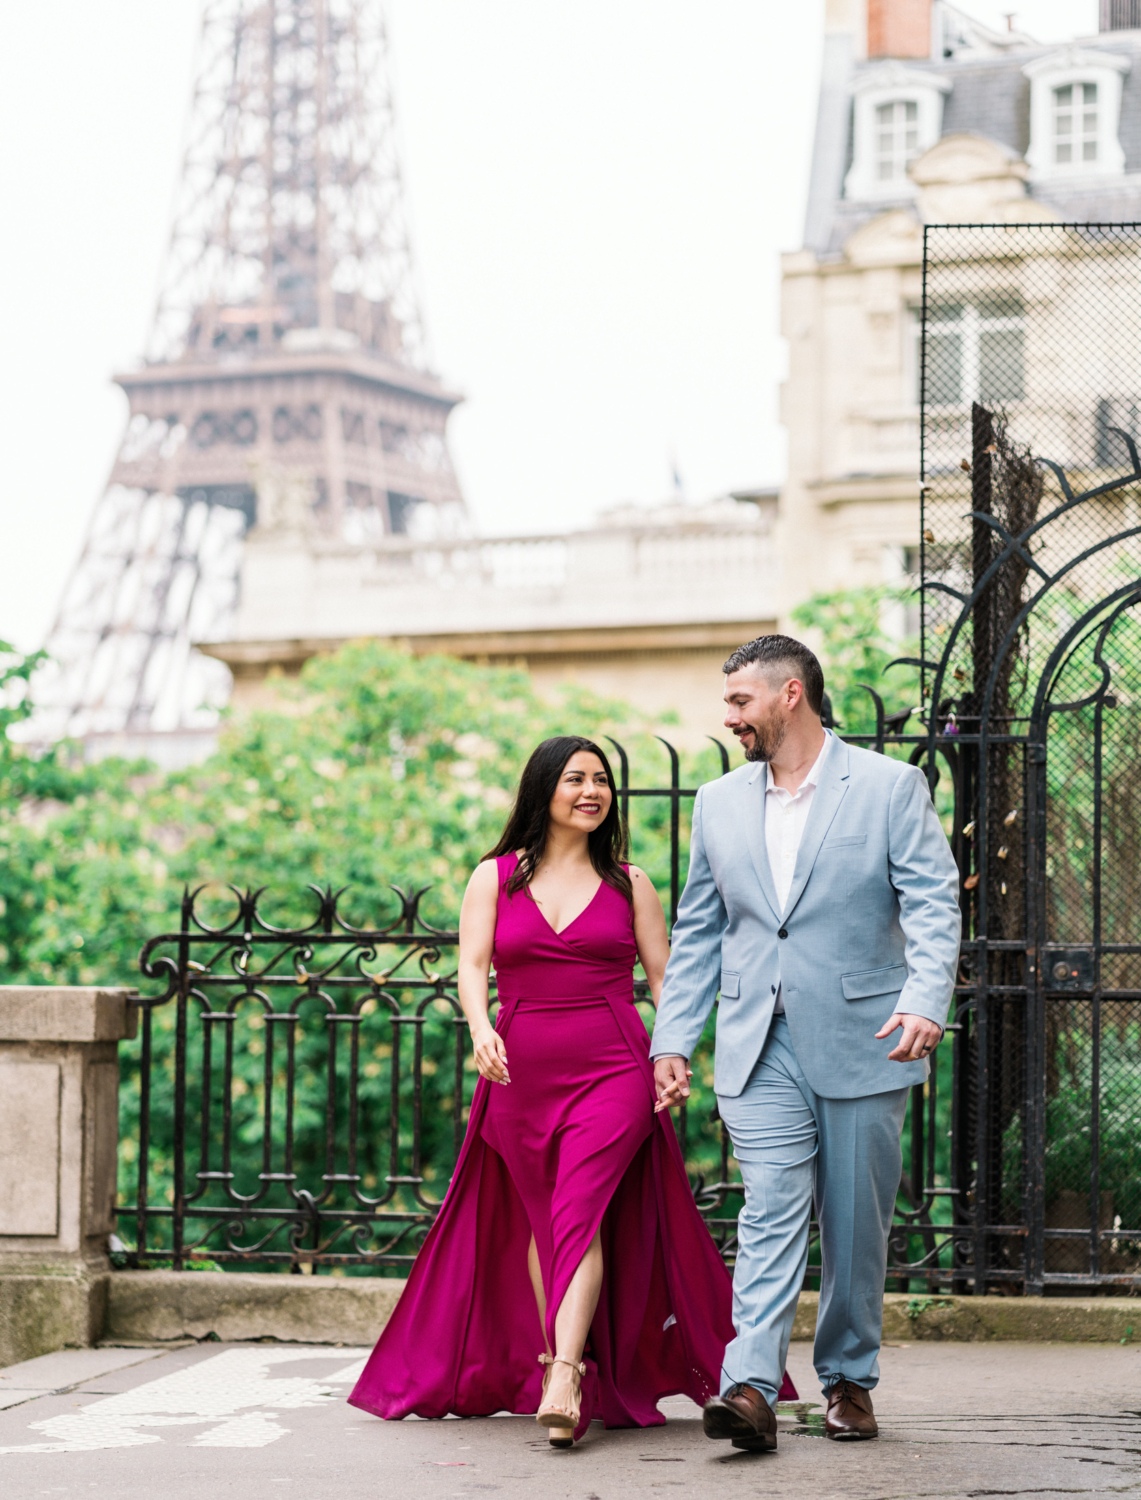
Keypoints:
(232, 1391)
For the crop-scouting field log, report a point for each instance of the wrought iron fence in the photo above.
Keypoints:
(302, 1092)
(338, 1154)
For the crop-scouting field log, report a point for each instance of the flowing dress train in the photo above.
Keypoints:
(570, 1147)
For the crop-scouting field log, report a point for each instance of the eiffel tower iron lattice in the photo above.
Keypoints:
(286, 385)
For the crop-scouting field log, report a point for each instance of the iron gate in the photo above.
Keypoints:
(1031, 669)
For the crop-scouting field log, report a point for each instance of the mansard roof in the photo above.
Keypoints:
(985, 92)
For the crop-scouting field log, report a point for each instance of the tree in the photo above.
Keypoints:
(378, 770)
(856, 650)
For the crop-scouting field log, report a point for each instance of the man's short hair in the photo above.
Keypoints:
(773, 653)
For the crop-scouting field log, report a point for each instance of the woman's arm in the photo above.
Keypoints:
(477, 938)
(649, 931)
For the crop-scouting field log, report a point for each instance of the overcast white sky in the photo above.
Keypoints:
(599, 195)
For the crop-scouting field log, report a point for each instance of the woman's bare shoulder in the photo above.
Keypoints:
(485, 877)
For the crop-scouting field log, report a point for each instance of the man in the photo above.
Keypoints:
(822, 903)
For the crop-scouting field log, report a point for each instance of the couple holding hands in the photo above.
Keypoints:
(822, 906)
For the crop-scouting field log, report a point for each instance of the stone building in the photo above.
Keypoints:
(645, 606)
(926, 117)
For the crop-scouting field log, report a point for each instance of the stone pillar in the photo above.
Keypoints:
(59, 1124)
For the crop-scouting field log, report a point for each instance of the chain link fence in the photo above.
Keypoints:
(1031, 647)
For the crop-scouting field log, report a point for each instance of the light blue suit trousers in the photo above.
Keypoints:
(793, 1147)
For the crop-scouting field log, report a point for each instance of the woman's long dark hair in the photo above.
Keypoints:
(527, 826)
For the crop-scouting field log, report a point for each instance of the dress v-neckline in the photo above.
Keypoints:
(563, 930)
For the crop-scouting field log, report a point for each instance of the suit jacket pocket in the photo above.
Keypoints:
(873, 982)
(846, 841)
(730, 984)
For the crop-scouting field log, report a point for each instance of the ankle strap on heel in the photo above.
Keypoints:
(558, 1359)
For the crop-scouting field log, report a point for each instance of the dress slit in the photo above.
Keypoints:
(597, 1228)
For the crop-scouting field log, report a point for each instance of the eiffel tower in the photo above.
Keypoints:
(287, 359)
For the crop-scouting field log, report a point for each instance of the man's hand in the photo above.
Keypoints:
(920, 1037)
(671, 1080)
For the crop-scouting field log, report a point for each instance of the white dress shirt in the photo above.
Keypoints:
(786, 813)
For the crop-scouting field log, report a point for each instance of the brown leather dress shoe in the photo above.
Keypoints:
(744, 1416)
(849, 1411)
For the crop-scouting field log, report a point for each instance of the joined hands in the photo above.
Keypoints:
(671, 1081)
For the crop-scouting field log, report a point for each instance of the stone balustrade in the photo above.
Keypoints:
(721, 564)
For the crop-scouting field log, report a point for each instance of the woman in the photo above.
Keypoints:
(569, 1217)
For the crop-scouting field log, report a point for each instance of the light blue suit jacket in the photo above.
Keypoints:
(872, 926)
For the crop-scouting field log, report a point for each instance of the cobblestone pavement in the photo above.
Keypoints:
(201, 1420)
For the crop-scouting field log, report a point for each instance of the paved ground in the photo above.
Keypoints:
(256, 1419)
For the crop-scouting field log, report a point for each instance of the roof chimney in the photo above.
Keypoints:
(902, 28)
(1119, 15)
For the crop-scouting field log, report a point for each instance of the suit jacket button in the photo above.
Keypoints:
(783, 932)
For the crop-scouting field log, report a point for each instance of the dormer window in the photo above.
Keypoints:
(1075, 123)
(897, 115)
(1075, 102)
(897, 138)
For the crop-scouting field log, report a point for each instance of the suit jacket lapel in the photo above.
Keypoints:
(826, 799)
(755, 833)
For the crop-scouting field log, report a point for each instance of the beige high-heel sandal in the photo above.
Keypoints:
(559, 1421)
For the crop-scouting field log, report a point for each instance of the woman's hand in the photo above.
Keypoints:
(477, 940)
(490, 1055)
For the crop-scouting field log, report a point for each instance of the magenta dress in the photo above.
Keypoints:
(570, 1146)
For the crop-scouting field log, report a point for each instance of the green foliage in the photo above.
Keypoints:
(917, 1306)
(1069, 1116)
(63, 826)
(378, 770)
(1076, 738)
(855, 648)
(381, 770)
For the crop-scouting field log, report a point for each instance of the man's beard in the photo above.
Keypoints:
(768, 737)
